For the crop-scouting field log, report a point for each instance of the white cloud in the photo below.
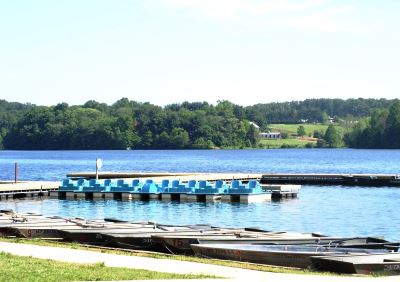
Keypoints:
(328, 21)
(314, 15)
(231, 9)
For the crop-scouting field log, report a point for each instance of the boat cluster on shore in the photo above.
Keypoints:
(290, 249)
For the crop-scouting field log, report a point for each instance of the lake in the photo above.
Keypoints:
(331, 210)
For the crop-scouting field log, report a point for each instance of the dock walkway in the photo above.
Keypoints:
(171, 266)
(22, 189)
(264, 178)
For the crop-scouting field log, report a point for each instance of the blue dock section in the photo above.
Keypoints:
(166, 190)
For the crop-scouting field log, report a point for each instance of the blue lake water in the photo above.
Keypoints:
(332, 210)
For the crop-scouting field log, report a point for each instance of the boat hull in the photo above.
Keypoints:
(365, 264)
(280, 255)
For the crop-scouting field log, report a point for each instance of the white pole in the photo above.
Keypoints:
(97, 169)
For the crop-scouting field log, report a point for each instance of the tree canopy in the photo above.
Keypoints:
(135, 125)
(381, 130)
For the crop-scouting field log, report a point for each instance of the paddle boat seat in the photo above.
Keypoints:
(218, 188)
(163, 187)
(93, 186)
(66, 185)
(149, 187)
(108, 184)
(238, 188)
(176, 187)
(125, 186)
(80, 184)
(203, 187)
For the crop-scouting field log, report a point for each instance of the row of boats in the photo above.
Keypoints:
(165, 186)
(301, 250)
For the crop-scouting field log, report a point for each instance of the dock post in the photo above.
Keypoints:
(80, 195)
(98, 195)
(109, 196)
(54, 195)
(191, 198)
(166, 197)
(126, 196)
(154, 196)
(226, 198)
(16, 172)
(135, 196)
(70, 195)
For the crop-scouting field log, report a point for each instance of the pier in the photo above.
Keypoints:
(265, 178)
(23, 189)
(267, 192)
(166, 189)
(372, 180)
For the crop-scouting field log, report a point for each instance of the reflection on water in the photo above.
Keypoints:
(344, 211)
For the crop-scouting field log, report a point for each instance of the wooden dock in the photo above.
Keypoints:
(372, 180)
(270, 191)
(156, 176)
(265, 178)
(22, 189)
(181, 197)
(11, 190)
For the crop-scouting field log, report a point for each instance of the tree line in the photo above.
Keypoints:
(130, 124)
(124, 124)
(381, 130)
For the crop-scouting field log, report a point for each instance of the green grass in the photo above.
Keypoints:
(16, 268)
(282, 143)
(309, 128)
(291, 129)
(244, 265)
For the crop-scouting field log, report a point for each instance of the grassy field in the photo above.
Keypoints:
(293, 142)
(284, 143)
(16, 268)
(309, 128)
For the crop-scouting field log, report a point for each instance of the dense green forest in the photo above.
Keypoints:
(130, 124)
(381, 130)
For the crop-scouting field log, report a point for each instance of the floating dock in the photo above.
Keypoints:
(158, 176)
(22, 189)
(372, 180)
(175, 190)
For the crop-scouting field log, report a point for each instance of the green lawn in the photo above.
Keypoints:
(16, 268)
(309, 128)
(284, 143)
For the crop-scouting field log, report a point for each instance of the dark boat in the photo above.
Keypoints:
(124, 236)
(97, 236)
(280, 255)
(154, 240)
(356, 242)
(182, 244)
(360, 264)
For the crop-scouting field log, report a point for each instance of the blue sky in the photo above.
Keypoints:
(167, 51)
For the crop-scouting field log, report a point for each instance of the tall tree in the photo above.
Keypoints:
(392, 131)
(332, 137)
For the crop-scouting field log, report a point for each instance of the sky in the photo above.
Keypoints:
(170, 51)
